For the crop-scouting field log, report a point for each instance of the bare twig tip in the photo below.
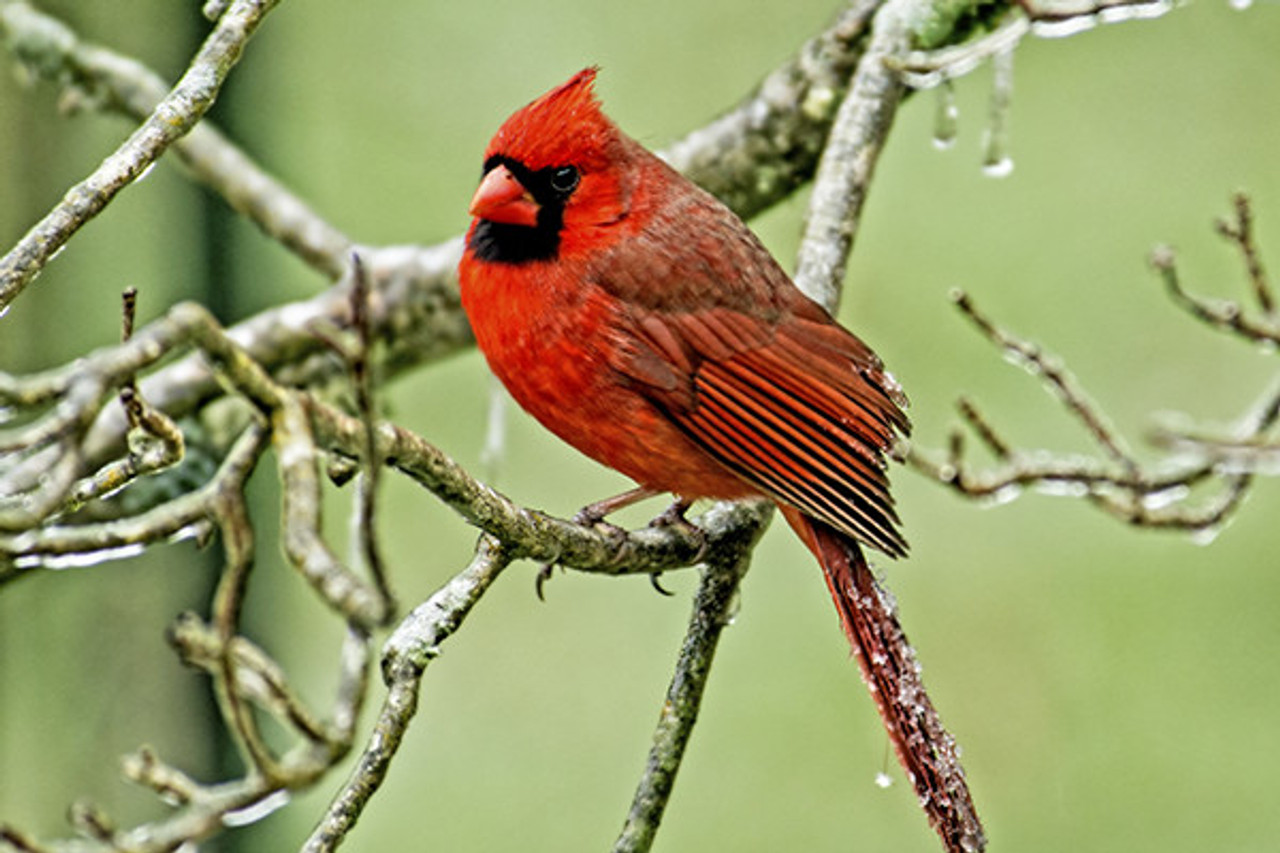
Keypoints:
(1162, 257)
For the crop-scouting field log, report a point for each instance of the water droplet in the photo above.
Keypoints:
(1206, 535)
(996, 162)
(142, 176)
(734, 608)
(945, 116)
(199, 531)
(1165, 497)
(921, 80)
(1000, 168)
(494, 451)
(1136, 11)
(1063, 488)
(883, 780)
(1003, 495)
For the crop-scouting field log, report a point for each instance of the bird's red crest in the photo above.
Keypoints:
(566, 125)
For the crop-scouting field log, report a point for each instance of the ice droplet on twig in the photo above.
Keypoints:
(945, 116)
(1206, 535)
(1001, 168)
(1063, 27)
(494, 450)
(996, 162)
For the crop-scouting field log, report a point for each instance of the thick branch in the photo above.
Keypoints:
(712, 610)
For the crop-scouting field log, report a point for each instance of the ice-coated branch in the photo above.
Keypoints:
(1207, 473)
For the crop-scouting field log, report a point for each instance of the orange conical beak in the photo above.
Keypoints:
(502, 198)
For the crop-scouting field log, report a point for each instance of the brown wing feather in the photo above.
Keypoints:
(757, 374)
(806, 414)
(800, 440)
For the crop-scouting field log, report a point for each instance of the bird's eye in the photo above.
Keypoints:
(564, 180)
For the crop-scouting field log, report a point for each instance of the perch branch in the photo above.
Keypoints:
(713, 607)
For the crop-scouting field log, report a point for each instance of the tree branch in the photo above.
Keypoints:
(752, 157)
(176, 114)
(713, 606)
(1167, 495)
(405, 657)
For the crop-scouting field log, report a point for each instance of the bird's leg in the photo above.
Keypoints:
(673, 516)
(593, 515)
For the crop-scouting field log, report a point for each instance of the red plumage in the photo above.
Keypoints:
(656, 334)
(637, 318)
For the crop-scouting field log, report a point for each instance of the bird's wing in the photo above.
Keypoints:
(794, 404)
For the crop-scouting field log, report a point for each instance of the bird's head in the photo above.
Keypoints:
(556, 166)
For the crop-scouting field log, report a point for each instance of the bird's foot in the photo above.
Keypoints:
(593, 515)
(674, 517)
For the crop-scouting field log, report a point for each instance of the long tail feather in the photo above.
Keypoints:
(927, 752)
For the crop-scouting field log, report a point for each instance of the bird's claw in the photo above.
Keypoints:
(673, 517)
(544, 575)
(589, 516)
(655, 582)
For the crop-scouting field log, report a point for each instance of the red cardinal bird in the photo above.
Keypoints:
(636, 317)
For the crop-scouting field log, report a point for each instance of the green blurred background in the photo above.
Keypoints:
(1113, 689)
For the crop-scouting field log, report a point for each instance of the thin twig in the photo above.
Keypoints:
(1240, 233)
(301, 529)
(1156, 497)
(1054, 375)
(362, 380)
(408, 652)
